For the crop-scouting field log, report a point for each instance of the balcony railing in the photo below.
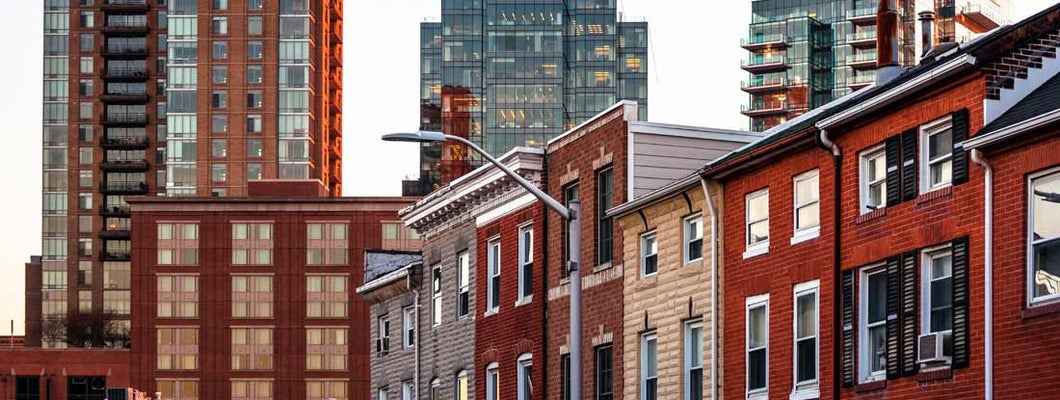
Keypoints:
(115, 256)
(125, 118)
(126, 29)
(115, 211)
(861, 36)
(762, 41)
(862, 15)
(123, 187)
(125, 73)
(115, 234)
(115, 51)
(124, 98)
(755, 85)
(125, 5)
(764, 63)
(864, 60)
(862, 80)
(124, 165)
(124, 143)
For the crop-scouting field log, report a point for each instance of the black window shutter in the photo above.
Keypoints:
(893, 150)
(848, 328)
(909, 172)
(960, 157)
(893, 328)
(909, 315)
(961, 345)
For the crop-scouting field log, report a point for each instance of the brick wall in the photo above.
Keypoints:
(55, 367)
(516, 328)
(778, 271)
(576, 158)
(397, 366)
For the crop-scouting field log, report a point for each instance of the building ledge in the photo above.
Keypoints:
(935, 375)
(871, 386)
(1041, 310)
(946, 192)
(869, 216)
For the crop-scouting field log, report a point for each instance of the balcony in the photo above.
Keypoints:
(862, 80)
(862, 61)
(118, 234)
(125, 52)
(124, 143)
(125, 74)
(126, 6)
(125, 119)
(862, 16)
(123, 188)
(760, 65)
(862, 40)
(124, 98)
(115, 211)
(764, 85)
(764, 42)
(980, 16)
(124, 166)
(115, 256)
(125, 30)
(764, 108)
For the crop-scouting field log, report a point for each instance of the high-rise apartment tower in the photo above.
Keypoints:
(170, 98)
(506, 74)
(805, 53)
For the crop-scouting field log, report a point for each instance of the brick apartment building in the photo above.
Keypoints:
(863, 237)
(178, 97)
(34, 373)
(214, 317)
(390, 291)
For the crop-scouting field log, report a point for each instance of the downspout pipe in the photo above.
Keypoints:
(837, 330)
(714, 238)
(416, 307)
(988, 274)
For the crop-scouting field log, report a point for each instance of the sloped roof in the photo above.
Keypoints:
(1044, 99)
(379, 263)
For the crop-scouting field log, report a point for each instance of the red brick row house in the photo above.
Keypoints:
(855, 248)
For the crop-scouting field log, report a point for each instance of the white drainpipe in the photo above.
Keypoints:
(988, 274)
(416, 338)
(713, 289)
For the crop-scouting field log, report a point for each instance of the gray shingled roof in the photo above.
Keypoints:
(1042, 100)
(378, 263)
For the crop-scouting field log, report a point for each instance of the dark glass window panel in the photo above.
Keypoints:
(756, 369)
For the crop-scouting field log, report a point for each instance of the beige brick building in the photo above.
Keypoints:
(667, 307)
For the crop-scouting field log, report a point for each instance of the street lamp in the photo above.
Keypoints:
(570, 215)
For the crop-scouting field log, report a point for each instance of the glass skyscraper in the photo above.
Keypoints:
(505, 74)
(805, 53)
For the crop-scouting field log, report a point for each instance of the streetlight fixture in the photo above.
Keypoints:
(570, 216)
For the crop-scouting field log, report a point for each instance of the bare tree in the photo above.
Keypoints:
(93, 330)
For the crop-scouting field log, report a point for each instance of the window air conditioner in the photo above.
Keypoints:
(932, 347)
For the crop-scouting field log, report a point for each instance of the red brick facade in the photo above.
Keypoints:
(576, 158)
(517, 328)
(55, 369)
(289, 272)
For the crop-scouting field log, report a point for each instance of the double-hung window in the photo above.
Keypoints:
(649, 366)
(694, 360)
(757, 315)
(807, 206)
(806, 344)
(493, 264)
(408, 391)
(570, 194)
(408, 320)
(936, 295)
(564, 365)
(936, 156)
(526, 264)
(649, 254)
(757, 223)
(693, 238)
(382, 345)
(524, 374)
(436, 295)
(873, 179)
(383, 394)
(872, 354)
(463, 300)
(462, 388)
(1043, 238)
(605, 197)
(493, 382)
(604, 373)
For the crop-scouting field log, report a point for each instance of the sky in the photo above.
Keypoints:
(694, 79)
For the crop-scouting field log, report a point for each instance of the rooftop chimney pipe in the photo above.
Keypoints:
(887, 66)
(927, 31)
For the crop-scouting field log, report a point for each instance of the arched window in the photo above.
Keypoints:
(461, 386)
(493, 382)
(524, 373)
(435, 385)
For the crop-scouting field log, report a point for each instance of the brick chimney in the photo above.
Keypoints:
(887, 65)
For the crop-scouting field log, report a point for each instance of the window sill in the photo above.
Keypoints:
(758, 396)
(871, 386)
(871, 215)
(602, 267)
(1041, 310)
(935, 194)
(491, 312)
(805, 235)
(693, 261)
(938, 374)
(525, 300)
(806, 393)
(756, 250)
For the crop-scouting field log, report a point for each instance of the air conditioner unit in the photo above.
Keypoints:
(932, 347)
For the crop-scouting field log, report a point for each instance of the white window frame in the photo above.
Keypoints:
(864, 375)
(463, 263)
(926, 257)
(645, 339)
(383, 326)
(493, 271)
(493, 377)
(808, 389)
(688, 365)
(383, 394)
(751, 303)
(408, 319)
(644, 254)
(436, 297)
(436, 386)
(1052, 174)
(864, 184)
(526, 261)
(807, 233)
(408, 391)
(523, 363)
(462, 377)
(754, 249)
(686, 238)
(926, 131)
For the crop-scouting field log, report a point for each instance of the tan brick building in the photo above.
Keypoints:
(667, 292)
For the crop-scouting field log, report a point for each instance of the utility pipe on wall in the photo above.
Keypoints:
(837, 329)
(988, 274)
(714, 237)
